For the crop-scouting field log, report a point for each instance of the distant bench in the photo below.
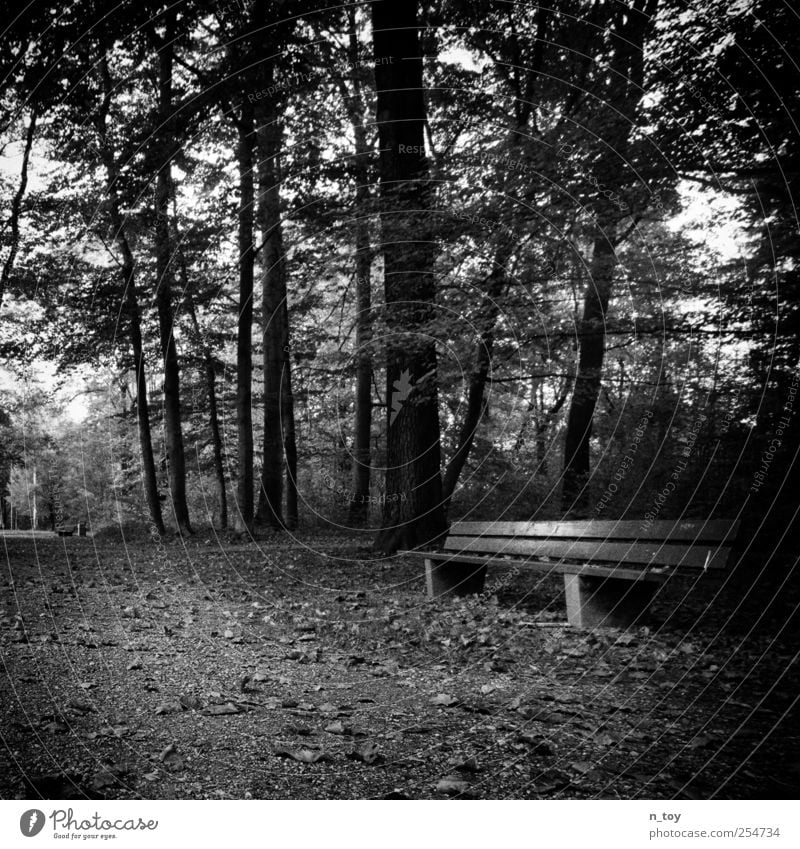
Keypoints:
(69, 530)
(611, 569)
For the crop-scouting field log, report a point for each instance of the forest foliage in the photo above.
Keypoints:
(269, 264)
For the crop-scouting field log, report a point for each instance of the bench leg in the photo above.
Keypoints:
(607, 602)
(454, 578)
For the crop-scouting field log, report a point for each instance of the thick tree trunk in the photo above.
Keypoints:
(270, 503)
(244, 341)
(588, 375)
(413, 513)
(130, 307)
(173, 431)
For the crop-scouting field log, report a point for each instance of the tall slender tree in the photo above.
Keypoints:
(244, 334)
(166, 146)
(354, 88)
(630, 26)
(129, 293)
(273, 288)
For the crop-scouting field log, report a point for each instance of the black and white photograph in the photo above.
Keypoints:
(399, 400)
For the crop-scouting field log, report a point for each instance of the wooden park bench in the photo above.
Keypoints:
(68, 530)
(611, 569)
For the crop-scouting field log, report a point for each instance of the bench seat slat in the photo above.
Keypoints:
(555, 568)
(694, 556)
(478, 559)
(694, 531)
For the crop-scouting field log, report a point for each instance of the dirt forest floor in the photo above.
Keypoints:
(301, 667)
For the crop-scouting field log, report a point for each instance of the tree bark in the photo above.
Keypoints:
(477, 381)
(244, 341)
(588, 375)
(130, 306)
(287, 420)
(166, 142)
(209, 373)
(352, 96)
(413, 513)
(544, 421)
(149, 479)
(16, 208)
(362, 424)
(362, 455)
(270, 503)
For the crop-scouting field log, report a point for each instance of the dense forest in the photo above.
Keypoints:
(274, 265)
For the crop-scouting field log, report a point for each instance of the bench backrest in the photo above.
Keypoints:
(696, 543)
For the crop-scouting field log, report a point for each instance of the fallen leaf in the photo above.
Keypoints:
(466, 765)
(171, 759)
(367, 753)
(537, 743)
(115, 730)
(549, 782)
(305, 756)
(604, 739)
(581, 766)
(575, 652)
(221, 710)
(80, 707)
(104, 778)
(453, 785)
(701, 741)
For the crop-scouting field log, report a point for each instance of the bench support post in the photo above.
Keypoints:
(594, 602)
(453, 578)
